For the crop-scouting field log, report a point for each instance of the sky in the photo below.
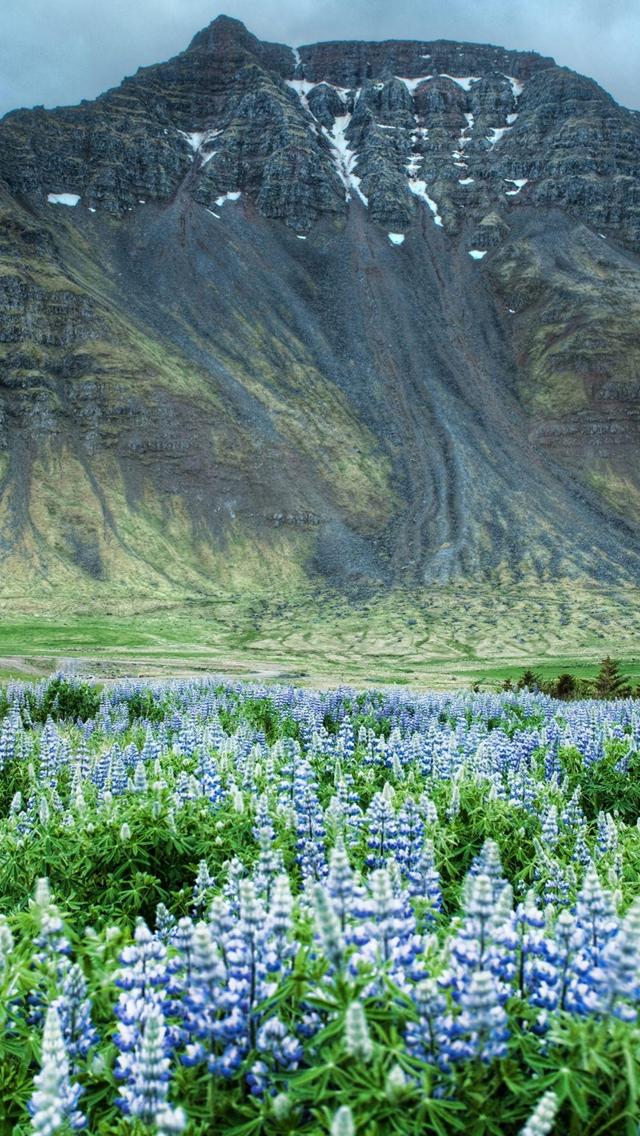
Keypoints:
(58, 53)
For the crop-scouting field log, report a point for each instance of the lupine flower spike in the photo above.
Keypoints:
(54, 1104)
(543, 1116)
(342, 1123)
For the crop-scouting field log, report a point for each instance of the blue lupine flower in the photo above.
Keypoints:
(202, 887)
(387, 938)
(52, 948)
(424, 880)
(383, 828)
(210, 779)
(425, 1037)
(74, 1014)
(310, 826)
(142, 979)
(144, 1094)
(481, 1030)
(279, 1049)
(165, 922)
(342, 885)
(550, 827)
(410, 838)
(202, 1005)
(270, 862)
(595, 914)
(621, 963)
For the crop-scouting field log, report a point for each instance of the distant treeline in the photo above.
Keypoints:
(608, 683)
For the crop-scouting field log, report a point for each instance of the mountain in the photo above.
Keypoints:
(359, 315)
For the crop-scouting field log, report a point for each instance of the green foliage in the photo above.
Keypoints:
(609, 785)
(529, 680)
(144, 704)
(565, 686)
(609, 683)
(64, 699)
(262, 715)
(102, 877)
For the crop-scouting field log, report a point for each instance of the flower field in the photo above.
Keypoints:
(246, 910)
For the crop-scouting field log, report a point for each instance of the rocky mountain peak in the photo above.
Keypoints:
(228, 40)
(223, 30)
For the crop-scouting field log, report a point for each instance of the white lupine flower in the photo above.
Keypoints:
(328, 926)
(342, 1123)
(170, 1120)
(53, 1104)
(281, 1105)
(543, 1116)
(6, 941)
(42, 893)
(358, 1041)
(395, 1084)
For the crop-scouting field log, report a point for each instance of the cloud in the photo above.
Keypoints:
(56, 53)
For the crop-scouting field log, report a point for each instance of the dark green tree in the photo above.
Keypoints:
(565, 686)
(530, 680)
(610, 682)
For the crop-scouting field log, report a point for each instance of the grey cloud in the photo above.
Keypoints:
(54, 53)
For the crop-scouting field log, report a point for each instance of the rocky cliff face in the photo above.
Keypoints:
(364, 309)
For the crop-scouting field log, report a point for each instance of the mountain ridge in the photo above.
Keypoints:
(258, 344)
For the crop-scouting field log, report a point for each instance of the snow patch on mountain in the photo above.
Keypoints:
(496, 133)
(465, 81)
(303, 87)
(220, 201)
(344, 157)
(419, 189)
(200, 142)
(517, 86)
(63, 198)
(412, 84)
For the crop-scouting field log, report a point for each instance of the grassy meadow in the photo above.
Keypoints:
(444, 637)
